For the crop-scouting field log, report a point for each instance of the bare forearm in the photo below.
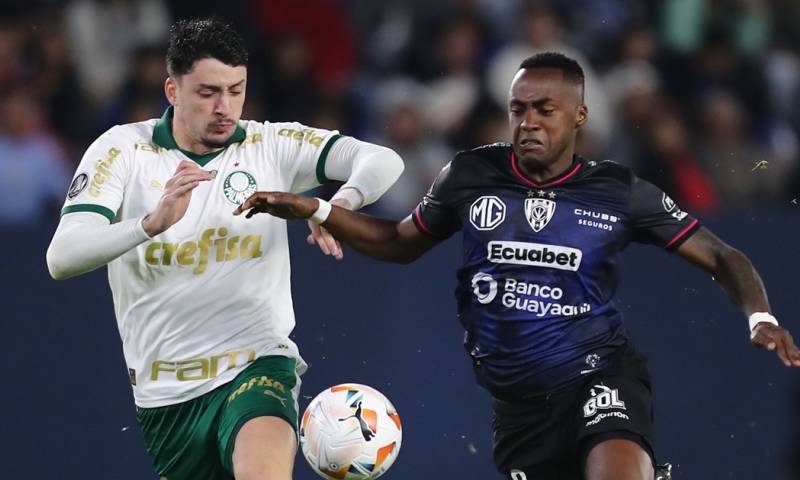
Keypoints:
(740, 280)
(378, 238)
(730, 267)
(382, 239)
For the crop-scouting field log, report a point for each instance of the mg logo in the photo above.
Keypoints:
(487, 212)
(518, 475)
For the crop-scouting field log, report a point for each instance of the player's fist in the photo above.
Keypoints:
(778, 339)
(279, 204)
(175, 200)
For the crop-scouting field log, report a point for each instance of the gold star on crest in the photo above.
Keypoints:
(531, 194)
(540, 193)
(552, 195)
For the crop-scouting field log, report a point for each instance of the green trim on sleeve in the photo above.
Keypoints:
(88, 207)
(323, 157)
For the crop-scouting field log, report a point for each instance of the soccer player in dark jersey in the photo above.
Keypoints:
(542, 231)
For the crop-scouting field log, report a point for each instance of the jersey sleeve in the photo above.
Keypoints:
(301, 153)
(656, 219)
(436, 214)
(99, 182)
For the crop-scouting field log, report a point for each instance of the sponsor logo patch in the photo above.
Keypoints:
(535, 255)
(487, 212)
(667, 202)
(201, 368)
(602, 416)
(599, 220)
(78, 185)
(478, 281)
(672, 207)
(103, 171)
(308, 135)
(538, 299)
(213, 246)
(602, 398)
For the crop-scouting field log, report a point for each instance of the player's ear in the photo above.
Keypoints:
(169, 90)
(582, 115)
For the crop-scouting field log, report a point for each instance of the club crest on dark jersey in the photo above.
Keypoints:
(539, 211)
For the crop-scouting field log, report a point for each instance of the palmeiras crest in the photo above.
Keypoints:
(539, 211)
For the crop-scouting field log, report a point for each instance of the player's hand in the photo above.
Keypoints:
(279, 204)
(778, 339)
(175, 200)
(320, 236)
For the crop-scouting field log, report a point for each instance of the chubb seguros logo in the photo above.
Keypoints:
(484, 287)
(487, 212)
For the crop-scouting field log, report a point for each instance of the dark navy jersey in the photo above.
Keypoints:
(535, 292)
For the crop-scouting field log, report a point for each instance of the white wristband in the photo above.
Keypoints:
(759, 317)
(322, 212)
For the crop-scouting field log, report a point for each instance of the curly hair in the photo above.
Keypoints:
(199, 38)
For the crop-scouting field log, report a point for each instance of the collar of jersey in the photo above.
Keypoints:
(162, 136)
(577, 163)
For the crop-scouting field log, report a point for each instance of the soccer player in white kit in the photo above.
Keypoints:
(202, 297)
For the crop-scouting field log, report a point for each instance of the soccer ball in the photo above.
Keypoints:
(350, 432)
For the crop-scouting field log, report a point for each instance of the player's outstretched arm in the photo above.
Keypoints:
(740, 280)
(382, 239)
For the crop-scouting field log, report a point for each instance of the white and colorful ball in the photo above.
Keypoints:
(350, 432)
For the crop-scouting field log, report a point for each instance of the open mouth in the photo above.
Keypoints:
(530, 144)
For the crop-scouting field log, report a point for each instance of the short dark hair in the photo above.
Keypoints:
(199, 38)
(569, 66)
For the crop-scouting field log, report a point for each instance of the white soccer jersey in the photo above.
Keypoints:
(197, 303)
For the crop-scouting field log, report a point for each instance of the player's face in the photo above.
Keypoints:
(208, 101)
(544, 113)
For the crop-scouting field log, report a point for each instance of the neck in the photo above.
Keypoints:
(542, 174)
(186, 142)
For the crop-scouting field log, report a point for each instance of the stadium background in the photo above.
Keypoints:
(700, 97)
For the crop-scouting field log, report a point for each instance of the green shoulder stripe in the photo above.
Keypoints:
(88, 207)
(323, 157)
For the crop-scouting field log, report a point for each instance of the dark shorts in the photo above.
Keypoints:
(194, 440)
(550, 436)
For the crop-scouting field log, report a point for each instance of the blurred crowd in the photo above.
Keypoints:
(701, 97)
